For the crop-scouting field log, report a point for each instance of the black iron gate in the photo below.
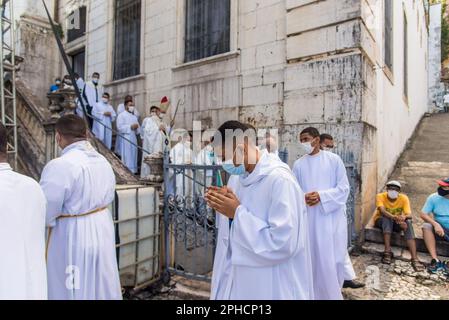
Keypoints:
(190, 230)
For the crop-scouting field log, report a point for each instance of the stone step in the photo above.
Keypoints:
(375, 235)
(188, 289)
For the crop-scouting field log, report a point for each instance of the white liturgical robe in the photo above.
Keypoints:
(264, 254)
(153, 141)
(180, 154)
(325, 173)
(81, 261)
(92, 93)
(103, 124)
(23, 274)
(118, 139)
(128, 150)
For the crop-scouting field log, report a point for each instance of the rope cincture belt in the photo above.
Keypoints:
(66, 216)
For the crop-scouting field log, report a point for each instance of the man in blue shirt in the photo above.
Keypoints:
(435, 214)
(56, 86)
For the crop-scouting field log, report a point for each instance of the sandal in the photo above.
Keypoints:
(417, 266)
(386, 258)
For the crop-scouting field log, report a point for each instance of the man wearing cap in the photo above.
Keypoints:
(435, 214)
(394, 215)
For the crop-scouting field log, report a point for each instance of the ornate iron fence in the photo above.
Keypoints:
(190, 230)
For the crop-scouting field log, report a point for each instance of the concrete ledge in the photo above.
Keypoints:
(375, 235)
(188, 289)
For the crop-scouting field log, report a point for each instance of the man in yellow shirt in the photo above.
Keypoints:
(394, 215)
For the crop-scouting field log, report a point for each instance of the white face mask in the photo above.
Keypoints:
(393, 194)
(105, 100)
(307, 146)
(131, 109)
(153, 114)
(95, 80)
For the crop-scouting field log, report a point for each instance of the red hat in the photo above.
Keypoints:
(165, 103)
(443, 182)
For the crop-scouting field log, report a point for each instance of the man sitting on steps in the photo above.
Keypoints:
(436, 217)
(394, 215)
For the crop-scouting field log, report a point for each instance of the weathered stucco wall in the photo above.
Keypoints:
(436, 87)
(37, 45)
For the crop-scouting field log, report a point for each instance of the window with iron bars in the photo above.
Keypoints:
(76, 24)
(127, 38)
(388, 35)
(207, 29)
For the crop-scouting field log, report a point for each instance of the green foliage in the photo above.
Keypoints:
(444, 32)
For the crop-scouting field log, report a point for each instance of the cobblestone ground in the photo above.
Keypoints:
(397, 281)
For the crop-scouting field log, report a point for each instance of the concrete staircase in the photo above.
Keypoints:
(425, 160)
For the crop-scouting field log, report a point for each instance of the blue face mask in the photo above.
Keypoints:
(230, 168)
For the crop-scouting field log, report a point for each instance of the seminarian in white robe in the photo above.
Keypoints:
(325, 173)
(182, 153)
(23, 274)
(264, 254)
(81, 262)
(118, 139)
(153, 141)
(128, 151)
(92, 93)
(205, 157)
(102, 122)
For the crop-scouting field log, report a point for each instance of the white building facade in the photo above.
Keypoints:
(356, 69)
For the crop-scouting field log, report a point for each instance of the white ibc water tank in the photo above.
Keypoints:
(137, 227)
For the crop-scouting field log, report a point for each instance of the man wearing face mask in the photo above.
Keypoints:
(322, 176)
(262, 246)
(56, 86)
(129, 128)
(104, 115)
(394, 215)
(435, 214)
(79, 186)
(92, 93)
(153, 132)
(327, 142)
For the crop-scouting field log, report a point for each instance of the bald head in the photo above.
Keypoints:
(3, 142)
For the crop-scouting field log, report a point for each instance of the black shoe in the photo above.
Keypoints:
(352, 284)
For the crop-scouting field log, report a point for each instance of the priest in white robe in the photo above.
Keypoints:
(79, 187)
(322, 176)
(262, 247)
(153, 138)
(205, 157)
(128, 127)
(104, 115)
(92, 93)
(180, 154)
(23, 274)
(120, 109)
